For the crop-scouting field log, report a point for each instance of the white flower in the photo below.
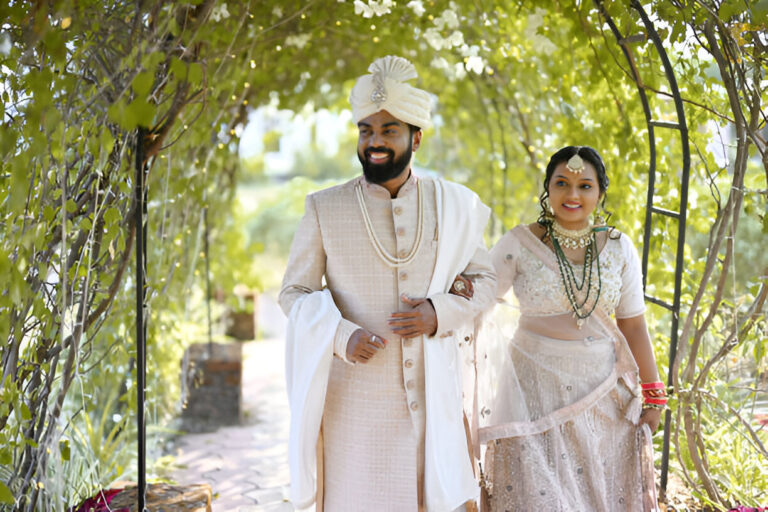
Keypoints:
(417, 6)
(379, 8)
(475, 64)
(219, 12)
(455, 39)
(469, 51)
(434, 38)
(440, 63)
(299, 41)
(5, 44)
(277, 11)
(540, 42)
(460, 71)
(447, 19)
(536, 19)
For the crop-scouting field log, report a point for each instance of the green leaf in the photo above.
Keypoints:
(760, 11)
(141, 111)
(6, 458)
(112, 215)
(25, 413)
(195, 73)
(730, 8)
(107, 142)
(6, 496)
(117, 114)
(142, 83)
(179, 68)
(64, 449)
(48, 213)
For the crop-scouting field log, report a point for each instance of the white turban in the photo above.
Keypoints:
(385, 89)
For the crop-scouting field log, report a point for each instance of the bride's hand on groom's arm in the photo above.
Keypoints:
(462, 286)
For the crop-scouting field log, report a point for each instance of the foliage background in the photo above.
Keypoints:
(513, 81)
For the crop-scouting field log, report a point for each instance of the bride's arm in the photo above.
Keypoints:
(635, 331)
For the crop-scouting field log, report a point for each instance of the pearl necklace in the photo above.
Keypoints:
(572, 238)
(385, 256)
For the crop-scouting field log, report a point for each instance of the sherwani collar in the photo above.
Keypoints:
(379, 191)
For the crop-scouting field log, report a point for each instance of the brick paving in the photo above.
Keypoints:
(246, 465)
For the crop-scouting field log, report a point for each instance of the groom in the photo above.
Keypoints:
(372, 348)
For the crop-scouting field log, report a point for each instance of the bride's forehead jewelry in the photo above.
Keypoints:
(575, 163)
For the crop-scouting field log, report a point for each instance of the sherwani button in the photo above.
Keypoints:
(403, 276)
(410, 384)
(408, 363)
(398, 210)
(400, 231)
(414, 406)
(407, 342)
(403, 253)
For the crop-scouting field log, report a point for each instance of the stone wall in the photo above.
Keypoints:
(211, 386)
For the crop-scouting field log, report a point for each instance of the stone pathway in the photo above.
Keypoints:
(246, 465)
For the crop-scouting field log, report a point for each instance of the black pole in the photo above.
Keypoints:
(208, 283)
(140, 200)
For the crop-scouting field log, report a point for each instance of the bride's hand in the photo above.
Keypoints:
(462, 286)
(651, 417)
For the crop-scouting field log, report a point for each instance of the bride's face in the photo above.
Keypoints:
(573, 196)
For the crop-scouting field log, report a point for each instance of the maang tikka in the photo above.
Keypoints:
(575, 164)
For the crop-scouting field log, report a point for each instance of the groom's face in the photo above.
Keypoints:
(385, 146)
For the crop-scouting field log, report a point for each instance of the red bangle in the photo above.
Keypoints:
(652, 385)
(654, 392)
(659, 401)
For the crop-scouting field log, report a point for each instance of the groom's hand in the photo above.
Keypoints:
(363, 345)
(422, 319)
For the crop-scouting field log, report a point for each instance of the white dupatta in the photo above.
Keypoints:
(312, 325)
(449, 479)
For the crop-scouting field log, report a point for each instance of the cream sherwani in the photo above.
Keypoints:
(374, 416)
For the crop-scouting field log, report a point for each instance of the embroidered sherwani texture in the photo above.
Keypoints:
(374, 417)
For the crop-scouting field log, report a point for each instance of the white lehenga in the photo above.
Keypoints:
(559, 406)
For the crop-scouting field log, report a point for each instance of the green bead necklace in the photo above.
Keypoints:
(581, 308)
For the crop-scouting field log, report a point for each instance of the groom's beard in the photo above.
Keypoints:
(392, 168)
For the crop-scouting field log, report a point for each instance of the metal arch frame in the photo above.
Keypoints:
(140, 192)
(681, 215)
(140, 203)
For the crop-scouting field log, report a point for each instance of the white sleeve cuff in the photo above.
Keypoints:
(343, 333)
